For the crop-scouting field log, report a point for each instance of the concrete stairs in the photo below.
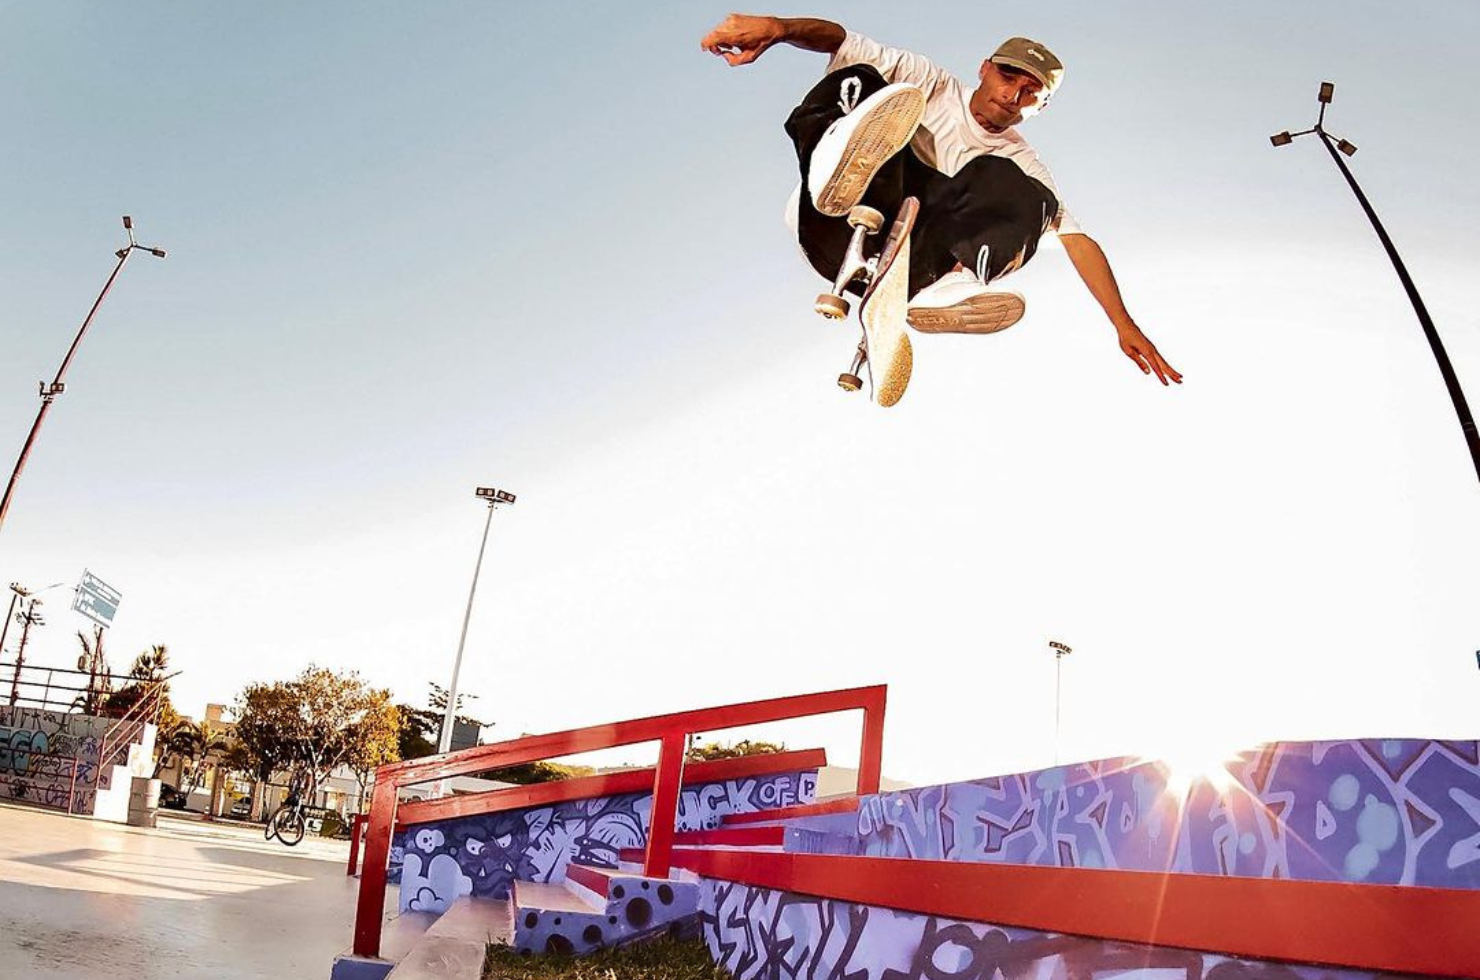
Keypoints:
(427, 946)
(135, 758)
(600, 907)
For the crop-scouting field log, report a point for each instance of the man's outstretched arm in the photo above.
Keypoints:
(742, 38)
(1090, 262)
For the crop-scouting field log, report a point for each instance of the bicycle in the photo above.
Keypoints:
(287, 822)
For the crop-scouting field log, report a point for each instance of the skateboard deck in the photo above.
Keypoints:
(884, 312)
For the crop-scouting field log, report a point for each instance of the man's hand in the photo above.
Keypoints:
(1141, 350)
(741, 38)
(1090, 262)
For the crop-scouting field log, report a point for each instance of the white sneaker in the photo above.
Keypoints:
(957, 302)
(857, 145)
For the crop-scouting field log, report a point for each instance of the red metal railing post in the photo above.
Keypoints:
(871, 753)
(370, 908)
(356, 827)
(664, 814)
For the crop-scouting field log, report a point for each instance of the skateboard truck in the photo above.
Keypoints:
(865, 221)
(851, 379)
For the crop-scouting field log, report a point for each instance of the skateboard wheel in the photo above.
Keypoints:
(861, 215)
(830, 306)
(850, 382)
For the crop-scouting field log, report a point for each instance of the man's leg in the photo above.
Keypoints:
(974, 227)
(824, 238)
(988, 218)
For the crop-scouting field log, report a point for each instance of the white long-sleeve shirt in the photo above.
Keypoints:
(949, 136)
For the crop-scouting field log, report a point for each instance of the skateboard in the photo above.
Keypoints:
(884, 347)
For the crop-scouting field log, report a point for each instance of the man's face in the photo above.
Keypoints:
(1005, 95)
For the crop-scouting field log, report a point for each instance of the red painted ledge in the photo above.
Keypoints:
(1370, 927)
(609, 784)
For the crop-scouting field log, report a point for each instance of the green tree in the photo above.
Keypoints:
(195, 743)
(99, 683)
(313, 722)
(705, 753)
(375, 739)
(150, 669)
(537, 772)
(423, 726)
(417, 735)
(266, 731)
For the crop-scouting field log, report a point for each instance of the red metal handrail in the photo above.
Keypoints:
(140, 713)
(670, 731)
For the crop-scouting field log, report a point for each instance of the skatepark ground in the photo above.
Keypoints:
(85, 900)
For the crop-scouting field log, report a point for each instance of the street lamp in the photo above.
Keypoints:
(494, 498)
(1334, 144)
(49, 392)
(1060, 651)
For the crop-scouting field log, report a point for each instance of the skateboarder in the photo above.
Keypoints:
(985, 197)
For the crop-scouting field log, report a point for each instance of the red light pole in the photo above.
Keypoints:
(49, 392)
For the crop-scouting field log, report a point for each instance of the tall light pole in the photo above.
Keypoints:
(49, 392)
(1451, 381)
(1060, 651)
(494, 498)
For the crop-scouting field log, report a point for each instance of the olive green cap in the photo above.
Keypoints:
(1033, 58)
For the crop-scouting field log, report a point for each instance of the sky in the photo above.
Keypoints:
(416, 249)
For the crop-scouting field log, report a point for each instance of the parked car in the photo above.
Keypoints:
(242, 809)
(171, 798)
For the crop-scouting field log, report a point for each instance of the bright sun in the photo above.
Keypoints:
(1187, 763)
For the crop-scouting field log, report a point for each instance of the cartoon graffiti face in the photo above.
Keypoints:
(428, 839)
(607, 833)
(492, 853)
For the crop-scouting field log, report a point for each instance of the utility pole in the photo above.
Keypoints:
(29, 616)
(19, 591)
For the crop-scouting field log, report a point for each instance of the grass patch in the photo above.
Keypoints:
(660, 959)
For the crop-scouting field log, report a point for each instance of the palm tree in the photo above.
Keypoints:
(149, 669)
(193, 742)
(99, 680)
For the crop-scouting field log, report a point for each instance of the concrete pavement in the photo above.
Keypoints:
(84, 900)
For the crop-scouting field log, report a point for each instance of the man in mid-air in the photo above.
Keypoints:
(985, 199)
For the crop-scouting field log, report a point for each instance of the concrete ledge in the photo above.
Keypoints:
(442, 958)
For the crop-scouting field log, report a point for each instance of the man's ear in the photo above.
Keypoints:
(981, 73)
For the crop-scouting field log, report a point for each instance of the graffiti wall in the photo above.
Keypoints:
(1393, 811)
(42, 751)
(758, 932)
(483, 855)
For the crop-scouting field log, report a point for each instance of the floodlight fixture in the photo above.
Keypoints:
(1346, 147)
(1327, 90)
(1282, 139)
(494, 496)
